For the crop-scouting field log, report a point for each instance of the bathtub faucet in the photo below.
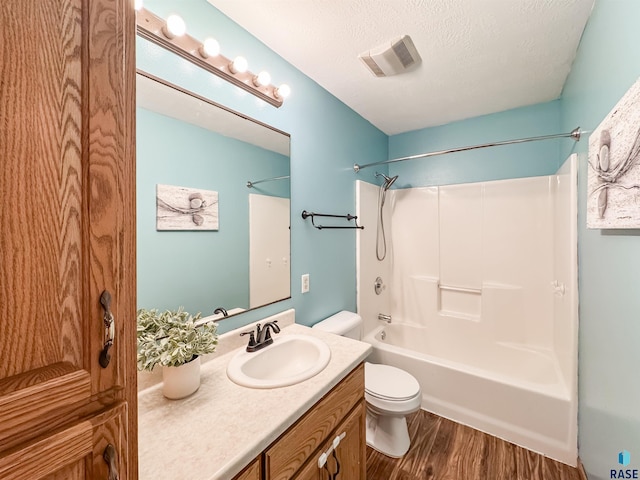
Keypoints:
(384, 318)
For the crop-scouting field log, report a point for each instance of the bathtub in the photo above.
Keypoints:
(504, 389)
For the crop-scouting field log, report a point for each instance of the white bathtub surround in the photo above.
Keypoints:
(482, 290)
(216, 432)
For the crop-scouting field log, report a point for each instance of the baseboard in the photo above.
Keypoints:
(581, 472)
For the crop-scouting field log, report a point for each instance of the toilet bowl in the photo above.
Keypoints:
(390, 393)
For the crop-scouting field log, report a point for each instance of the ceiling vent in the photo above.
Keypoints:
(395, 57)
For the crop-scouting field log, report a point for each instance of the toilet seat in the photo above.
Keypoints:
(389, 384)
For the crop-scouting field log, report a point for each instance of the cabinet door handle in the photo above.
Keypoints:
(111, 458)
(335, 475)
(109, 329)
(329, 476)
(322, 459)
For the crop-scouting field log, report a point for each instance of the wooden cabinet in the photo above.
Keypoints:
(348, 460)
(252, 472)
(340, 413)
(74, 452)
(67, 212)
(295, 454)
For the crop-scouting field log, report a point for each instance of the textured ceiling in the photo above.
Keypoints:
(478, 56)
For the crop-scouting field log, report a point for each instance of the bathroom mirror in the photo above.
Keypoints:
(227, 244)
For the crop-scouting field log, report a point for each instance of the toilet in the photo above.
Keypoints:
(391, 393)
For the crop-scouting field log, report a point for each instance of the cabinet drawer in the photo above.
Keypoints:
(299, 443)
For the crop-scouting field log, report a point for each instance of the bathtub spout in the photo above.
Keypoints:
(384, 318)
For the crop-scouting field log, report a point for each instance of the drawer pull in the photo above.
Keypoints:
(109, 329)
(111, 458)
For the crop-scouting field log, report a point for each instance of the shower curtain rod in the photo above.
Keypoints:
(575, 134)
(250, 184)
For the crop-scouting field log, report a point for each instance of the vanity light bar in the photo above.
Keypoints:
(151, 27)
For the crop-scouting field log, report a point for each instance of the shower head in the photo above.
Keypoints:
(387, 181)
(390, 181)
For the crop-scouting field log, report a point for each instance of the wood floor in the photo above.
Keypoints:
(444, 450)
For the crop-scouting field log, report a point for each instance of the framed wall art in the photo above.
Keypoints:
(182, 208)
(613, 188)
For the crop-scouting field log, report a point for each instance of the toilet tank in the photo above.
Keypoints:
(344, 323)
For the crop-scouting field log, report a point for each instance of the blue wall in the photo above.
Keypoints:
(607, 64)
(509, 161)
(199, 270)
(327, 137)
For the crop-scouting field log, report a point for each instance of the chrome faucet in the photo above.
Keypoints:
(384, 318)
(262, 336)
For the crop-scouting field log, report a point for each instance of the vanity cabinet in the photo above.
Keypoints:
(349, 461)
(252, 472)
(295, 454)
(67, 192)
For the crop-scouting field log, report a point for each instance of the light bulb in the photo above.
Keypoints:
(262, 79)
(283, 91)
(210, 48)
(139, 4)
(239, 65)
(175, 27)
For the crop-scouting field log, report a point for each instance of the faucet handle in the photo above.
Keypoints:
(252, 338)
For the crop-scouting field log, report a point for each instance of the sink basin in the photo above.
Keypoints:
(289, 360)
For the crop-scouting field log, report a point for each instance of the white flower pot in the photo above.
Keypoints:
(182, 381)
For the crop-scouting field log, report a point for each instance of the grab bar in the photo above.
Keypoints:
(459, 289)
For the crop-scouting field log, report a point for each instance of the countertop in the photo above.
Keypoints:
(217, 431)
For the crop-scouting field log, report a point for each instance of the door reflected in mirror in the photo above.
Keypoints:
(187, 141)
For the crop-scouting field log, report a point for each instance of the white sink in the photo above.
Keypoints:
(289, 360)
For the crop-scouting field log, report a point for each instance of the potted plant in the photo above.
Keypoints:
(173, 340)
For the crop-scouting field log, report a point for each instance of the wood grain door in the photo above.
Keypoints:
(94, 448)
(349, 461)
(67, 214)
(252, 472)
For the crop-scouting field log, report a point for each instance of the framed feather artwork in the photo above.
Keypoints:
(613, 188)
(182, 208)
